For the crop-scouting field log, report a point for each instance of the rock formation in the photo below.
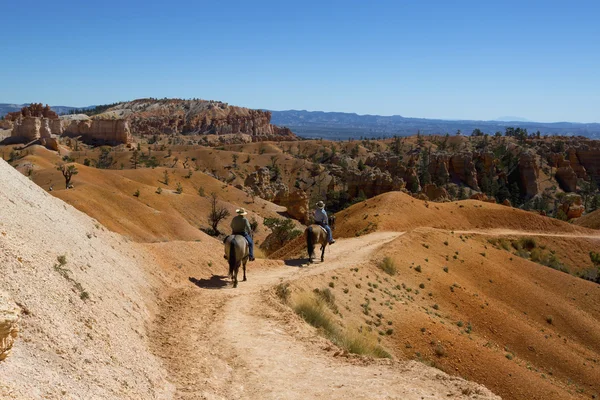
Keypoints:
(529, 174)
(566, 176)
(175, 116)
(588, 156)
(439, 169)
(435, 193)
(462, 168)
(573, 206)
(296, 204)
(33, 122)
(261, 184)
(393, 165)
(114, 131)
(9, 319)
(371, 182)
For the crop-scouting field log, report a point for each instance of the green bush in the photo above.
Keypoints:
(283, 229)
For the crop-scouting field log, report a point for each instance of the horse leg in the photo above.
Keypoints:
(234, 277)
(322, 252)
(244, 265)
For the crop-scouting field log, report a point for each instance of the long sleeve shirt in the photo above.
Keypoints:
(240, 225)
(321, 216)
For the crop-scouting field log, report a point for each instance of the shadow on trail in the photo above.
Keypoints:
(214, 282)
(297, 262)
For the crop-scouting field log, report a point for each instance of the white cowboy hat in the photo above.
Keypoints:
(241, 211)
(320, 204)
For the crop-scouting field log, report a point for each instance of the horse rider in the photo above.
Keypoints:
(322, 220)
(241, 226)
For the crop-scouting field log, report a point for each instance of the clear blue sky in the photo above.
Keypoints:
(436, 59)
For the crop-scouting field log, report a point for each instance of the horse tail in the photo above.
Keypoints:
(232, 260)
(309, 240)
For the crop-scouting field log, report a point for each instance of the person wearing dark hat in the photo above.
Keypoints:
(241, 226)
(321, 219)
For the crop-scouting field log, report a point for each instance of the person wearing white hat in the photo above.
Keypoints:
(241, 226)
(321, 219)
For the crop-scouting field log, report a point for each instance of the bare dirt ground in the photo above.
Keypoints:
(219, 343)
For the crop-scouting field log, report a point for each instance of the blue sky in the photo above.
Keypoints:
(436, 59)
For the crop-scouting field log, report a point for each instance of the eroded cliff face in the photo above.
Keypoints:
(462, 169)
(115, 131)
(33, 122)
(587, 156)
(175, 116)
(529, 173)
(33, 128)
(371, 182)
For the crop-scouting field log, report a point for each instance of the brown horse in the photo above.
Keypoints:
(237, 253)
(314, 234)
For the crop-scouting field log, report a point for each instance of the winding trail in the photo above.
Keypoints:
(512, 232)
(223, 343)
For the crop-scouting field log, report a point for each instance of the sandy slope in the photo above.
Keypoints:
(224, 343)
(73, 345)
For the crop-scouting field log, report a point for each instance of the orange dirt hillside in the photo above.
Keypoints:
(109, 197)
(397, 211)
(476, 310)
(591, 220)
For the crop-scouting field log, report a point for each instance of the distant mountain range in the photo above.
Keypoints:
(511, 119)
(6, 108)
(337, 125)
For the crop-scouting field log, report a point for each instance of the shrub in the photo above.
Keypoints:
(549, 319)
(528, 243)
(62, 260)
(388, 266)
(439, 350)
(283, 291)
(137, 193)
(158, 190)
(179, 189)
(418, 268)
(445, 269)
(283, 229)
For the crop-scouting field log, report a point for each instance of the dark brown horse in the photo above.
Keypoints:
(237, 253)
(314, 235)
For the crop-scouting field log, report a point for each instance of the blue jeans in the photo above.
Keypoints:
(250, 243)
(328, 229)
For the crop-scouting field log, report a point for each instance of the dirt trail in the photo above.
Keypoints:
(511, 232)
(223, 343)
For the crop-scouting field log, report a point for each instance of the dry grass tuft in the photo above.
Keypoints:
(313, 308)
(388, 266)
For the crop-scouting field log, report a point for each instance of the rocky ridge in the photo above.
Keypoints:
(175, 116)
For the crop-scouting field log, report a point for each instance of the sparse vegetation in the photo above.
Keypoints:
(217, 214)
(314, 311)
(388, 266)
(67, 172)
